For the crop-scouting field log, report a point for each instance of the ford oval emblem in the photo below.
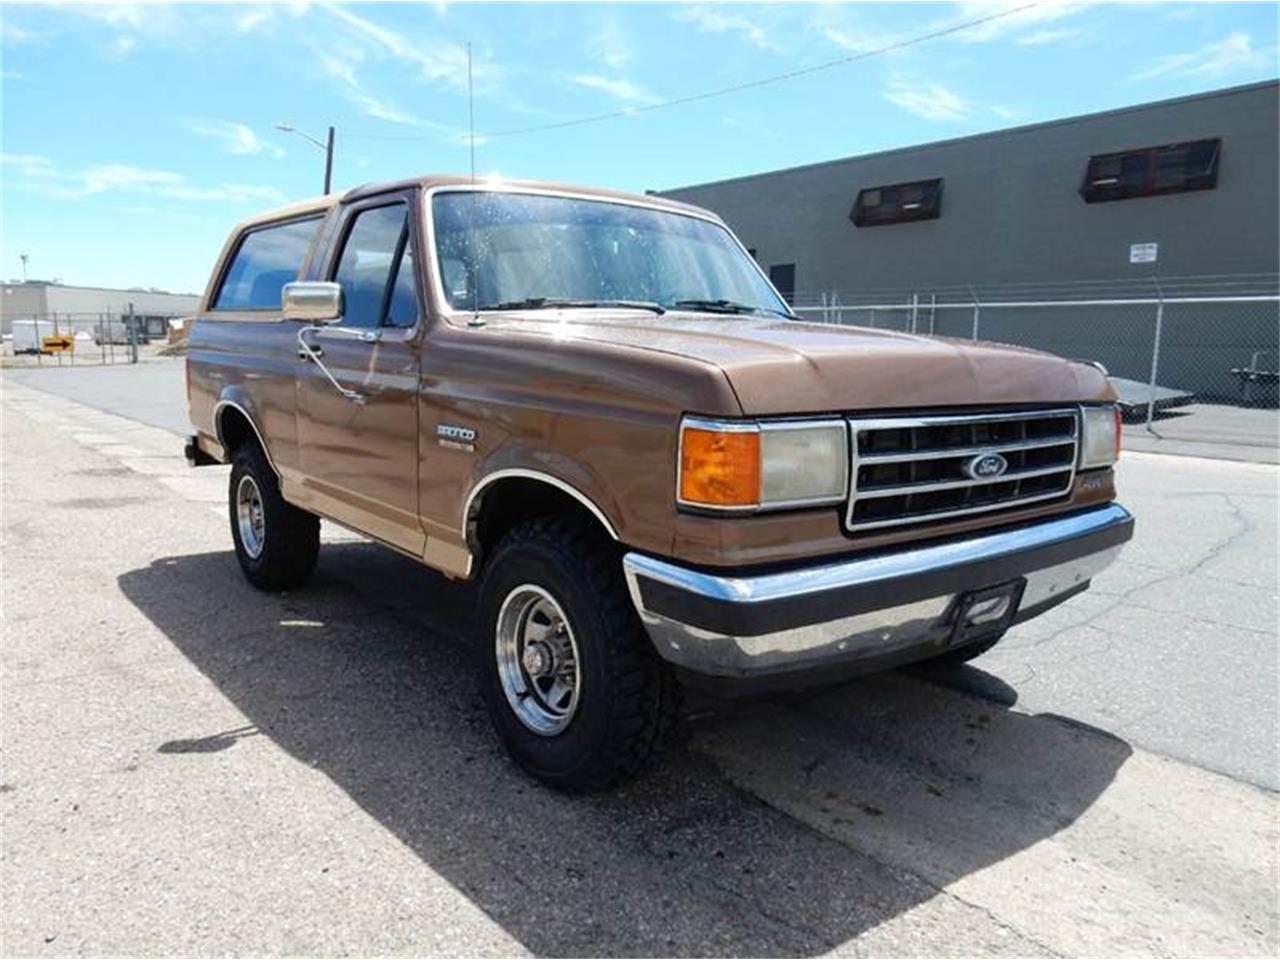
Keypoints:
(986, 466)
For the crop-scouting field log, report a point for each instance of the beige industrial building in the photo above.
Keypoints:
(88, 309)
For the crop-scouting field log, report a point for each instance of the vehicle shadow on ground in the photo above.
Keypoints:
(363, 675)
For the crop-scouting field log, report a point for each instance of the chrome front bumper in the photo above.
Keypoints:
(868, 612)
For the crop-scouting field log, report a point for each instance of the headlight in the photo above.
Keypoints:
(1099, 436)
(749, 465)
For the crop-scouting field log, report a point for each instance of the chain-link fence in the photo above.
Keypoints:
(89, 338)
(1166, 343)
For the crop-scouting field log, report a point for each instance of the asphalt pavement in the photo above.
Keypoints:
(1177, 647)
(192, 767)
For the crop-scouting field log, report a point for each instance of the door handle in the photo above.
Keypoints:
(314, 352)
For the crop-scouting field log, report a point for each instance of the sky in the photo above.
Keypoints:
(135, 136)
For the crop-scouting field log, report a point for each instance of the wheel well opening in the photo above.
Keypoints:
(234, 429)
(511, 501)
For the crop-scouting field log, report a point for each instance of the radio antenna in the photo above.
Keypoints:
(471, 115)
(476, 320)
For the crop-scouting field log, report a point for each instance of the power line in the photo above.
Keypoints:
(736, 88)
(777, 78)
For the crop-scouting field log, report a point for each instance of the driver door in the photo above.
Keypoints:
(359, 455)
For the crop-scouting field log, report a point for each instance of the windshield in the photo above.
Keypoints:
(522, 251)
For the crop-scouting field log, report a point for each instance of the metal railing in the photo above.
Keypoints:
(1176, 342)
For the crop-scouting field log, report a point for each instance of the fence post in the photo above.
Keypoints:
(133, 335)
(977, 310)
(933, 313)
(915, 306)
(1155, 364)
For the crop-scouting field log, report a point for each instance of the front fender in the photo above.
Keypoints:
(520, 459)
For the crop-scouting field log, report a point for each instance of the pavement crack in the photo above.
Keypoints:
(1244, 528)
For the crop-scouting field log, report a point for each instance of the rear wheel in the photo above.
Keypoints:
(276, 543)
(572, 683)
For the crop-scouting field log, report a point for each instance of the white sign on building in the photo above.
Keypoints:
(1143, 252)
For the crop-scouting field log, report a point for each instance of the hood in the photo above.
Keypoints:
(778, 366)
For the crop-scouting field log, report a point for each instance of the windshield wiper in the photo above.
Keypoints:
(726, 306)
(558, 303)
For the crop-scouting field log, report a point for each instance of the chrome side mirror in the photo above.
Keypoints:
(312, 301)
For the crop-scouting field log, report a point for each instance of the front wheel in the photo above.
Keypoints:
(572, 683)
(276, 543)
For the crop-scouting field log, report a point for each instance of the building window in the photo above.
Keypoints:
(898, 203)
(1173, 168)
(783, 278)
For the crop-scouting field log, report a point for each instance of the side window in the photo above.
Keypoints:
(376, 270)
(402, 311)
(267, 259)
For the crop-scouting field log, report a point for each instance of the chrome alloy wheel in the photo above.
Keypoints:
(537, 659)
(249, 516)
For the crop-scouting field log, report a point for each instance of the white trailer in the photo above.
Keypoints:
(28, 335)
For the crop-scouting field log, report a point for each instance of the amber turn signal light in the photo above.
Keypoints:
(719, 468)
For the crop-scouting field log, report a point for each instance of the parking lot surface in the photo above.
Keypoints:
(190, 766)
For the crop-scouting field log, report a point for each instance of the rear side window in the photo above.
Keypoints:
(267, 259)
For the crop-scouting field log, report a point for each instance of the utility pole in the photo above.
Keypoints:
(325, 145)
(328, 163)
(23, 258)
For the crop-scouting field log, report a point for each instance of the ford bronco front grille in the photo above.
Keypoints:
(916, 469)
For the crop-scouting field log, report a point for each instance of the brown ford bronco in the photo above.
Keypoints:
(598, 405)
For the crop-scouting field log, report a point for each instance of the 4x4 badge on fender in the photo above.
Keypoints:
(986, 466)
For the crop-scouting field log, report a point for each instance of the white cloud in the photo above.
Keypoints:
(340, 68)
(233, 192)
(374, 106)
(16, 36)
(343, 69)
(1013, 23)
(615, 87)
(235, 137)
(41, 175)
(925, 99)
(434, 59)
(856, 40)
(1042, 38)
(29, 163)
(249, 20)
(716, 19)
(609, 45)
(763, 131)
(1233, 54)
(136, 16)
(12, 75)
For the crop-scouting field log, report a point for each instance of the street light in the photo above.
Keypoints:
(326, 147)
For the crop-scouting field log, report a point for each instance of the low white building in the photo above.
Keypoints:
(87, 309)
